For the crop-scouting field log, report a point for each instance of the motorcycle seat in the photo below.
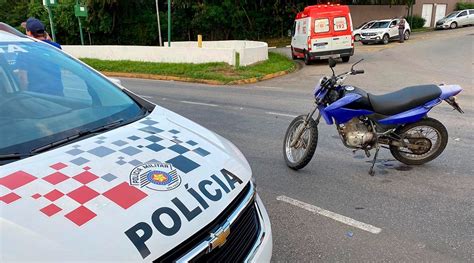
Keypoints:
(404, 99)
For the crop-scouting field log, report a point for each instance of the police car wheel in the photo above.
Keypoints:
(385, 39)
(453, 25)
(407, 35)
(357, 37)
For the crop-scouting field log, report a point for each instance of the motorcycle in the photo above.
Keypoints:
(397, 121)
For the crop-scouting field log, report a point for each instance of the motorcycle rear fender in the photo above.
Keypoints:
(448, 91)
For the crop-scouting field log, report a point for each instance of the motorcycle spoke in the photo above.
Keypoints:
(296, 153)
(414, 135)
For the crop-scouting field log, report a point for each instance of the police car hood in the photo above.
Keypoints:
(131, 194)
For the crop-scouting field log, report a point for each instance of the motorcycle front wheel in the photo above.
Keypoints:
(429, 135)
(300, 154)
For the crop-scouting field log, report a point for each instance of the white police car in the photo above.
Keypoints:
(91, 172)
(382, 31)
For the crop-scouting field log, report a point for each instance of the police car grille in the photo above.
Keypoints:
(204, 233)
(368, 34)
(243, 235)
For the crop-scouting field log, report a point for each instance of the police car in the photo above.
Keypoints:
(382, 31)
(90, 171)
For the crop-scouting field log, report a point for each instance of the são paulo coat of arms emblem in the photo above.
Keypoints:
(155, 176)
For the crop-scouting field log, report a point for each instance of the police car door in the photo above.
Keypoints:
(393, 29)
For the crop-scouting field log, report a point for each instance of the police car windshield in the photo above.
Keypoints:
(380, 24)
(46, 96)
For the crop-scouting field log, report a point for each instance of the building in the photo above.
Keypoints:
(434, 10)
(430, 10)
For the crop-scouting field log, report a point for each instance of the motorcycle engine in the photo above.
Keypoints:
(356, 133)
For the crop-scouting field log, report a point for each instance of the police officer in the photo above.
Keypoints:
(401, 30)
(34, 28)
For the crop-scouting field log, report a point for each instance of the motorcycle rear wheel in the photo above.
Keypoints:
(428, 133)
(301, 154)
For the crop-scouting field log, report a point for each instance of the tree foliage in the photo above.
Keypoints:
(134, 22)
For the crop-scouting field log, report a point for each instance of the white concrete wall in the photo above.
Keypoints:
(180, 52)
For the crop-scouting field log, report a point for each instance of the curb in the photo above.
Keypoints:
(265, 77)
(160, 77)
(202, 81)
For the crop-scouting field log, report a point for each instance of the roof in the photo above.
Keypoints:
(323, 8)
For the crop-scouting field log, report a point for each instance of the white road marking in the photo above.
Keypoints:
(199, 103)
(340, 218)
(146, 97)
(281, 114)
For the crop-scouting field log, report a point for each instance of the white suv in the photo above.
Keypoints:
(456, 19)
(383, 31)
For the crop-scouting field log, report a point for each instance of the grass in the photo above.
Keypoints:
(423, 29)
(220, 72)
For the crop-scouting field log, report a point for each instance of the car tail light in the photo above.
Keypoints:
(309, 43)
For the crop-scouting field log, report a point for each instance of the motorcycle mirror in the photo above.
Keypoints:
(332, 63)
(353, 65)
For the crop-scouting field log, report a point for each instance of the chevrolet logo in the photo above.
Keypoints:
(219, 238)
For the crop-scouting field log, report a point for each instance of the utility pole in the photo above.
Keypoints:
(47, 4)
(158, 21)
(169, 23)
(80, 11)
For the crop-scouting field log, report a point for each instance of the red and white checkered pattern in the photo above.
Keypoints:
(67, 192)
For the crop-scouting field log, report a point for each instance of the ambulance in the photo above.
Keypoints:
(322, 31)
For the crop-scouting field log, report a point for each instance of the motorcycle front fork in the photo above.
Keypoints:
(303, 127)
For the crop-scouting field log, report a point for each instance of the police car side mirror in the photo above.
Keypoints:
(332, 63)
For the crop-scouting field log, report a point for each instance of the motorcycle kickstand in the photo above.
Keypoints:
(371, 170)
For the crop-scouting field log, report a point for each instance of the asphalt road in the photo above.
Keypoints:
(423, 213)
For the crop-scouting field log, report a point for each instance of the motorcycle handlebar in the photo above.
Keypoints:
(355, 72)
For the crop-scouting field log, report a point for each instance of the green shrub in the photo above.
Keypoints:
(415, 21)
(464, 5)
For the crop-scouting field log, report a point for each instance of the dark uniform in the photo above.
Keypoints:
(401, 30)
